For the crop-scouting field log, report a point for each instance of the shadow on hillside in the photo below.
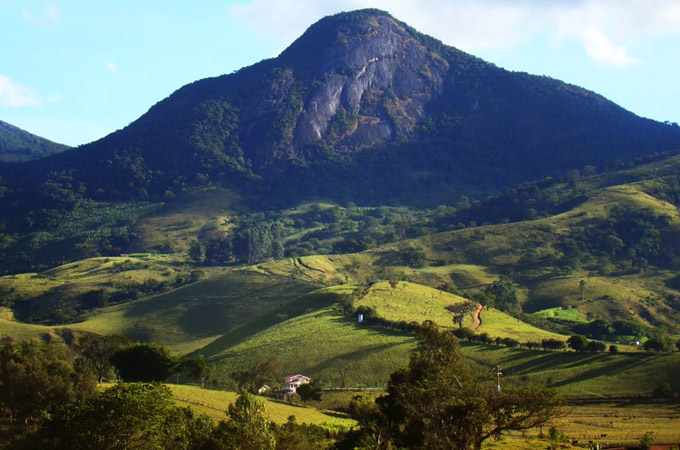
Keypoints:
(553, 361)
(305, 304)
(356, 355)
(606, 370)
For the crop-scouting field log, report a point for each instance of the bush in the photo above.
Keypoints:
(412, 257)
(656, 345)
(595, 346)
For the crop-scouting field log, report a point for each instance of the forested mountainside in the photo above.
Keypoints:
(17, 145)
(360, 108)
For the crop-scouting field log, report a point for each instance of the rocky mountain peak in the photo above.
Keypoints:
(373, 79)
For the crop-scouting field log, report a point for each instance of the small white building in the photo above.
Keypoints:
(292, 382)
(264, 389)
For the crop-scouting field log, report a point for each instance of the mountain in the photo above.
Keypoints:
(17, 145)
(360, 108)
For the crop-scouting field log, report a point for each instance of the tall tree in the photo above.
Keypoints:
(259, 373)
(144, 362)
(311, 391)
(98, 351)
(437, 402)
(247, 427)
(504, 293)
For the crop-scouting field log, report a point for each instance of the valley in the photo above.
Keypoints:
(360, 210)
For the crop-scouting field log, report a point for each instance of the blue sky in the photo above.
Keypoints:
(74, 71)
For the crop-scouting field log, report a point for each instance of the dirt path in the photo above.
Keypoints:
(477, 316)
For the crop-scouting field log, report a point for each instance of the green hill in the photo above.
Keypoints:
(17, 145)
(215, 403)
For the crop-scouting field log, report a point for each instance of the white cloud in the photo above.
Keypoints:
(14, 95)
(608, 30)
(600, 49)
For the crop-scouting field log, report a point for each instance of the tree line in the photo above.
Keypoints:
(49, 397)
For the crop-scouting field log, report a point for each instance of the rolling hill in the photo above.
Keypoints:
(17, 145)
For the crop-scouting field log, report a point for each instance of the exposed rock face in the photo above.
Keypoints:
(376, 80)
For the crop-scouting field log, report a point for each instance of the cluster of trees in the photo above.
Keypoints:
(145, 416)
(466, 334)
(48, 400)
(660, 344)
(579, 343)
(525, 201)
(438, 402)
(603, 330)
(249, 244)
(501, 294)
(631, 239)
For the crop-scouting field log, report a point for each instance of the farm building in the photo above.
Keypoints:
(292, 382)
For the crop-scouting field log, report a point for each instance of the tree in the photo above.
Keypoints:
(247, 427)
(144, 362)
(582, 290)
(595, 347)
(577, 342)
(294, 436)
(98, 351)
(656, 345)
(459, 311)
(437, 402)
(504, 293)
(218, 250)
(196, 251)
(196, 368)
(311, 391)
(257, 374)
(412, 256)
(36, 377)
(343, 367)
(125, 416)
(646, 440)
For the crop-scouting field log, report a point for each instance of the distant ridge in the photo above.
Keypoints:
(17, 145)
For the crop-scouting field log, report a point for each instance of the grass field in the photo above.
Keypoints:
(416, 303)
(215, 403)
(316, 343)
(41, 295)
(188, 318)
(621, 423)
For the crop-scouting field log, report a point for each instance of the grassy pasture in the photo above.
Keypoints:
(39, 295)
(215, 403)
(582, 375)
(315, 342)
(190, 317)
(412, 302)
(174, 226)
(620, 423)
